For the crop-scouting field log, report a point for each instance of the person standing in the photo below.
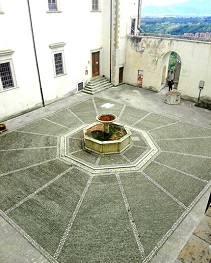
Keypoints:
(170, 84)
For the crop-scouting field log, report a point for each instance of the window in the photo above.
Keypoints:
(95, 5)
(58, 63)
(52, 5)
(58, 58)
(7, 75)
(80, 86)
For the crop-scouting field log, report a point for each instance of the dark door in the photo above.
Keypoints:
(121, 71)
(95, 64)
(132, 29)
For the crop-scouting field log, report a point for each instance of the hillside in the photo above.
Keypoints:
(176, 25)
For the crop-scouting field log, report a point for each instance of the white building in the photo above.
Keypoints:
(50, 48)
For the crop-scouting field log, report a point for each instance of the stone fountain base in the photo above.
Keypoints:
(93, 144)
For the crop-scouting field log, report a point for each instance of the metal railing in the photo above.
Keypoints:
(193, 38)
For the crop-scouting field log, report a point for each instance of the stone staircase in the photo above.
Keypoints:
(96, 85)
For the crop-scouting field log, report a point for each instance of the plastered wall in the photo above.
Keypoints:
(151, 54)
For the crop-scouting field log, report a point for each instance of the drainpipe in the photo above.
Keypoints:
(139, 17)
(35, 54)
(111, 11)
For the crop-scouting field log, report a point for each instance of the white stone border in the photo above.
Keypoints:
(131, 219)
(28, 238)
(72, 219)
(37, 191)
(176, 224)
(151, 151)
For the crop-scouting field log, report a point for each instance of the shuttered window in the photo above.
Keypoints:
(52, 5)
(95, 5)
(7, 72)
(6, 75)
(58, 64)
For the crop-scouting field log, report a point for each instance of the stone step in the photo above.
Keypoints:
(96, 85)
(91, 84)
(97, 79)
(99, 86)
(92, 92)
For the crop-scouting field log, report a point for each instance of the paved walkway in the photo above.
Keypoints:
(198, 246)
(90, 208)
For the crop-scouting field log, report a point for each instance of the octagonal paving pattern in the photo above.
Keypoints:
(76, 206)
(141, 150)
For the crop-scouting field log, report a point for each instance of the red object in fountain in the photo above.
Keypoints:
(107, 118)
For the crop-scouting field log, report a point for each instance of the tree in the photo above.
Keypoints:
(172, 61)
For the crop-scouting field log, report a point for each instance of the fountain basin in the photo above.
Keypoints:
(94, 141)
(106, 119)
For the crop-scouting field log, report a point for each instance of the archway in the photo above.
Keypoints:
(174, 68)
(170, 69)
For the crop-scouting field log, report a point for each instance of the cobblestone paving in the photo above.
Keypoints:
(102, 208)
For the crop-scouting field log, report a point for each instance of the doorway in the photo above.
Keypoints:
(174, 68)
(132, 28)
(95, 64)
(121, 73)
(140, 78)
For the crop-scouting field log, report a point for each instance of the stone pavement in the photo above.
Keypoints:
(198, 246)
(159, 202)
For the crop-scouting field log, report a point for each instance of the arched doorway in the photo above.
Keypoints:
(174, 68)
(170, 69)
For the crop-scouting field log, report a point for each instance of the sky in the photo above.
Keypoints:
(161, 2)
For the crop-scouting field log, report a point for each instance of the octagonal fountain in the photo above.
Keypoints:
(105, 136)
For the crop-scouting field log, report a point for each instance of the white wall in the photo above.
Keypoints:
(106, 27)
(76, 25)
(79, 28)
(16, 36)
(127, 10)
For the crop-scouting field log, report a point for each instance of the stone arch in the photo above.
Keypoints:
(174, 68)
(177, 71)
(164, 69)
(163, 80)
(170, 68)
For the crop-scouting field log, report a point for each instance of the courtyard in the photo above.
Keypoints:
(86, 207)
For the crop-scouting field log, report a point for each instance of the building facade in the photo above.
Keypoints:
(51, 48)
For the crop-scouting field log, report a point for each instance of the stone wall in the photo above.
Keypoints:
(151, 54)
